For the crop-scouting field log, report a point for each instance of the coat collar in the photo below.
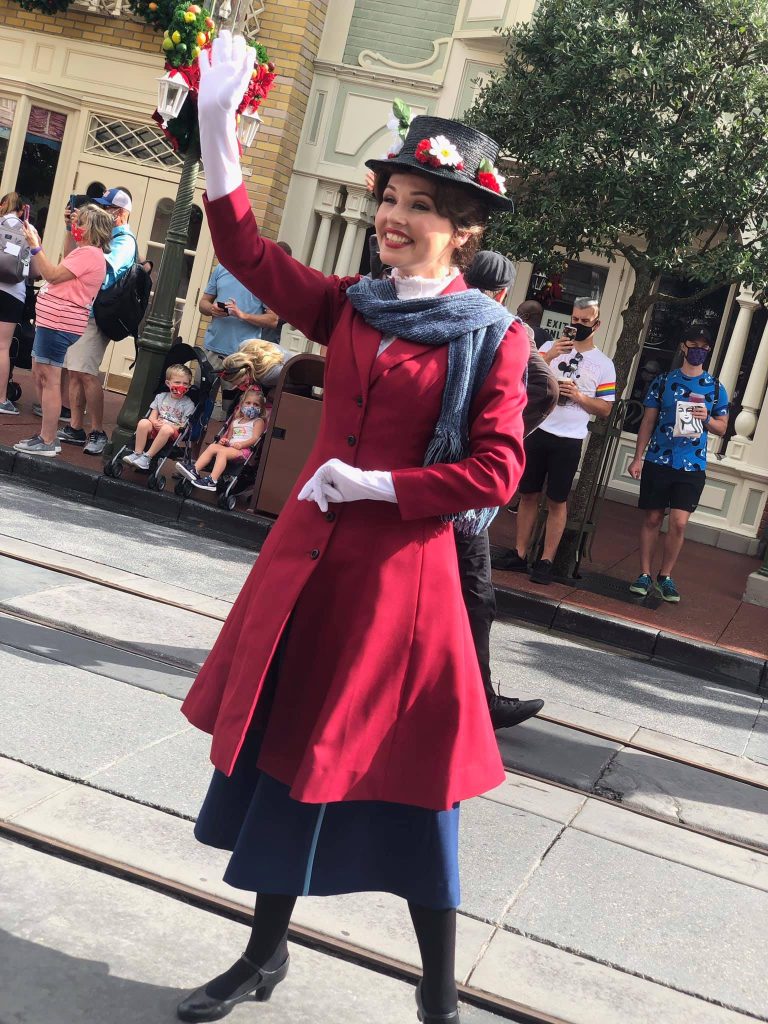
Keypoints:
(366, 341)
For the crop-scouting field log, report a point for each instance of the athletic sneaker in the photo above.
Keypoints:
(542, 572)
(64, 416)
(510, 561)
(130, 458)
(187, 472)
(37, 446)
(205, 483)
(666, 587)
(8, 408)
(141, 462)
(642, 584)
(71, 435)
(97, 442)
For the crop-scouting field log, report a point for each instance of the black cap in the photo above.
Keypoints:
(698, 329)
(490, 272)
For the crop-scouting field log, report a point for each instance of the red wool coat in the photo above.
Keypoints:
(379, 695)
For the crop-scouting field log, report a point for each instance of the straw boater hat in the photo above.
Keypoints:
(449, 151)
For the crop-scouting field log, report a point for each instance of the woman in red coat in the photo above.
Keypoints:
(343, 694)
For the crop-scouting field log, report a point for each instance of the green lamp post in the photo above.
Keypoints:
(157, 333)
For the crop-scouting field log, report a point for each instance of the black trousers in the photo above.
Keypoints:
(477, 589)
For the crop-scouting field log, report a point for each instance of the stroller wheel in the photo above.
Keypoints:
(183, 488)
(117, 469)
(108, 469)
(228, 501)
(161, 481)
(13, 393)
(152, 483)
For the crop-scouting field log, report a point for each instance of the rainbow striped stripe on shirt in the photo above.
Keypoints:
(606, 390)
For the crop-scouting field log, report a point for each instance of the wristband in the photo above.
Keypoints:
(706, 421)
(36, 250)
(68, 227)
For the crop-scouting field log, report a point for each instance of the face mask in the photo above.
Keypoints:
(583, 331)
(78, 233)
(178, 390)
(250, 412)
(696, 356)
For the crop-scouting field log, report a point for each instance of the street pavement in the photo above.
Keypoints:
(571, 905)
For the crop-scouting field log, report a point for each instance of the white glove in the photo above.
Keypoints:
(335, 481)
(223, 82)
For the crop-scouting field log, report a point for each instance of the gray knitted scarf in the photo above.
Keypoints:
(472, 325)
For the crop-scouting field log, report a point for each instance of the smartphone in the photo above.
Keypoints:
(25, 213)
(75, 202)
(223, 306)
(377, 267)
(569, 332)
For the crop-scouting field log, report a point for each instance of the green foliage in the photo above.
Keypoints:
(45, 6)
(157, 13)
(637, 127)
(262, 57)
(191, 29)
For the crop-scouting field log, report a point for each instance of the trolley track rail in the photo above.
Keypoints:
(217, 905)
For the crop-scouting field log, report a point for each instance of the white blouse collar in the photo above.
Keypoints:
(422, 287)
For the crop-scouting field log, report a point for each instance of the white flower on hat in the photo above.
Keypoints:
(444, 151)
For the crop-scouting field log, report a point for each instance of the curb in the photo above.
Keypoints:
(250, 531)
(659, 646)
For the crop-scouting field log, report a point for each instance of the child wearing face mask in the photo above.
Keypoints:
(245, 427)
(168, 415)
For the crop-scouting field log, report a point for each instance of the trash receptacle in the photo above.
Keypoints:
(293, 426)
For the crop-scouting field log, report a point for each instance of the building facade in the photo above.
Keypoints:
(78, 88)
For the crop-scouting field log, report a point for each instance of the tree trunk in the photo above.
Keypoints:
(627, 346)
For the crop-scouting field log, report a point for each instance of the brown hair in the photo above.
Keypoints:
(179, 368)
(465, 211)
(11, 203)
(97, 224)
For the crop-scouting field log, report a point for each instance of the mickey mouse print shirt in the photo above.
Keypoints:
(671, 444)
(594, 375)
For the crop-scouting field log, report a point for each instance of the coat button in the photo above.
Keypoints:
(359, 401)
(314, 553)
(351, 440)
(330, 516)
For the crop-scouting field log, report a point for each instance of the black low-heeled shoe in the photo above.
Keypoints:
(199, 1006)
(434, 1018)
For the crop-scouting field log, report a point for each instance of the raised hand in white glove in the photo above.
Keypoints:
(223, 81)
(335, 481)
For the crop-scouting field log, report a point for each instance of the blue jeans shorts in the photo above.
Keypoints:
(51, 346)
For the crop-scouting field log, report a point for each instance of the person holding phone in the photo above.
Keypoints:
(237, 315)
(13, 212)
(587, 382)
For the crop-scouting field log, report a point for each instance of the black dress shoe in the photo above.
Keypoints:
(509, 711)
(434, 1018)
(542, 572)
(257, 988)
(509, 561)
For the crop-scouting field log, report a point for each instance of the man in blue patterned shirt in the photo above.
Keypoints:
(681, 408)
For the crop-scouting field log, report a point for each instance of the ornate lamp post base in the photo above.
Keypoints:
(157, 335)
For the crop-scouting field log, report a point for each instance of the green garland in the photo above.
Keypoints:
(45, 6)
(157, 13)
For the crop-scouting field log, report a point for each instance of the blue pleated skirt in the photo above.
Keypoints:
(280, 845)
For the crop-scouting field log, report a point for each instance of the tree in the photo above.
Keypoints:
(635, 128)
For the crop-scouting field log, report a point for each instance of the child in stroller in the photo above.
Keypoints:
(233, 446)
(197, 402)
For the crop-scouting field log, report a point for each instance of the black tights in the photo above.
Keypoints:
(268, 948)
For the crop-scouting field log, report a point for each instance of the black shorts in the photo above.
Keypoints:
(553, 458)
(11, 308)
(663, 487)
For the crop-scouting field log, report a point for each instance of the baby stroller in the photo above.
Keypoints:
(238, 478)
(202, 393)
(20, 353)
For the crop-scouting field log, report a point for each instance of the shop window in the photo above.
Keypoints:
(556, 292)
(157, 235)
(130, 140)
(660, 349)
(39, 160)
(7, 109)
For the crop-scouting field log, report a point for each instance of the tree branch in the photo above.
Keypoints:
(686, 300)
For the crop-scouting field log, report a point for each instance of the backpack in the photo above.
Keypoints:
(119, 309)
(14, 252)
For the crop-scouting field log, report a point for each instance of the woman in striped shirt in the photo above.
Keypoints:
(63, 306)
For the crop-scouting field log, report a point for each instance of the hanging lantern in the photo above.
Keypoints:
(538, 281)
(248, 124)
(171, 94)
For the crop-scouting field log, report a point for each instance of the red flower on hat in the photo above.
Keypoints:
(439, 152)
(488, 176)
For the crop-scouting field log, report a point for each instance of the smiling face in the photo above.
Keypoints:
(412, 235)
